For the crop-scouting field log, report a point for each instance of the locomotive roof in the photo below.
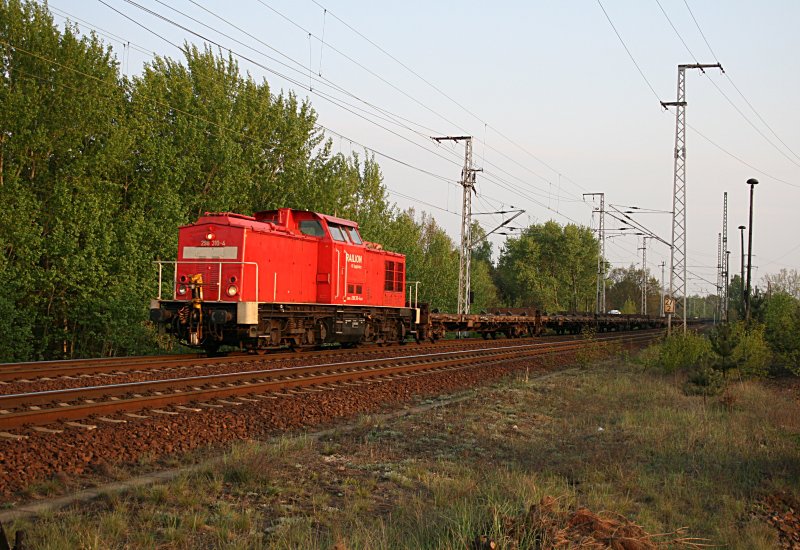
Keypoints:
(339, 221)
(264, 216)
(266, 220)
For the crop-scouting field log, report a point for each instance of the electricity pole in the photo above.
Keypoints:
(725, 257)
(644, 275)
(468, 184)
(752, 182)
(717, 309)
(677, 258)
(661, 308)
(600, 301)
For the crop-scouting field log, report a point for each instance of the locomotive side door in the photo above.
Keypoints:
(350, 254)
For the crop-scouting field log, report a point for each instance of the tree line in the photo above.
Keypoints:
(98, 170)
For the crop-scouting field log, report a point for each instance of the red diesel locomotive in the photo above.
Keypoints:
(282, 278)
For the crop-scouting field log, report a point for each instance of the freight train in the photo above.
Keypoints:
(299, 279)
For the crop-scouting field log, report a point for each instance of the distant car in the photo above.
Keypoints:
(614, 312)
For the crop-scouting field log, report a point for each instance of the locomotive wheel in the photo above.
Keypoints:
(212, 349)
(322, 331)
(401, 333)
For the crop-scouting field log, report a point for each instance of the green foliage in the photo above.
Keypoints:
(624, 291)
(723, 342)
(751, 355)
(551, 266)
(97, 171)
(738, 347)
(735, 299)
(782, 330)
(683, 352)
(704, 380)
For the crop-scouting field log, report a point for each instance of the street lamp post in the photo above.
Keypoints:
(741, 275)
(752, 182)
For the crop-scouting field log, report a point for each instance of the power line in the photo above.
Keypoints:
(735, 87)
(508, 186)
(621, 41)
(375, 151)
(69, 17)
(222, 127)
(712, 142)
(361, 65)
(444, 94)
(303, 69)
(739, 159)
(293, 81)
(721, 91)
(135, 22)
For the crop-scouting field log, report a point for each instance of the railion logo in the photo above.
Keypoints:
(354, 258)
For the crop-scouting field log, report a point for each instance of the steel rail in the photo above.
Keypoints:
(12, 372)
(297, 377)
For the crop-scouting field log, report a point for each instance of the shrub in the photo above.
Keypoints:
(782, 330)
(737, 346)
(751, 354)
(704, 380)
(683, 352)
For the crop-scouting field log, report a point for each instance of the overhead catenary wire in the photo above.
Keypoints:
(322, 127)
(507, 185)
(650, 86)
(628, 51)
(448, 97)
(722, 92)
(293, 81)
(68, 17)
(735, 87)
(499, 181)
(416, 100)
(220, 126)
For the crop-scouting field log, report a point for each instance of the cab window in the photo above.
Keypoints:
(354, 236)
(336, 233)
(312, 228)
(394, 277)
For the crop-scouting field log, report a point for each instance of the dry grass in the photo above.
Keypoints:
(609, 438)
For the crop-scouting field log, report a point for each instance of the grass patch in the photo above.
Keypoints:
(609, 437)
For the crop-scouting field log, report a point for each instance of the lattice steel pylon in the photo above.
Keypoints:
(677, 256)
(725, 257)
(720, 280)
(465, 267)
(600, 295)
(644, 275)
(468, 184)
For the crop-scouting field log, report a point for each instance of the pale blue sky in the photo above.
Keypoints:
(554, 78)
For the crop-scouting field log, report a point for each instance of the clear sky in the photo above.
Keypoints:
(556, 105)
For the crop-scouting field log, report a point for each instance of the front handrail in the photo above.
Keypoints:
(161, 264)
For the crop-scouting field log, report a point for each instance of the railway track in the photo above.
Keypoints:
(36, 409)
(75, 431)
(82, 368)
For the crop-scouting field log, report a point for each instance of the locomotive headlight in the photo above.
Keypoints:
(182, 290)
(232, 290)
(209, 236)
